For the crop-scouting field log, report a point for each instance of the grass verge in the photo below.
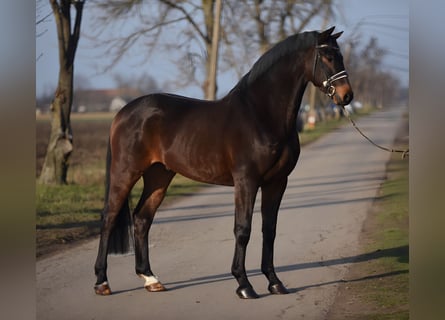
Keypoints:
(69, 213)
(377, 287)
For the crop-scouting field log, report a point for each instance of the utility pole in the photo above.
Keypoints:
(211, 88)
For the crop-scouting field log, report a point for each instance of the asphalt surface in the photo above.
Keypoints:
(192, 244)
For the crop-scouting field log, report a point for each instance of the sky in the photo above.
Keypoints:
(386, 20)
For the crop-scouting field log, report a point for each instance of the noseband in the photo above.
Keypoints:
(327, 84)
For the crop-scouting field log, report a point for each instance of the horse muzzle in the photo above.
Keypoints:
(344, 96)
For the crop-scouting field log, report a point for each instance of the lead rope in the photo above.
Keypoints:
(405, 153)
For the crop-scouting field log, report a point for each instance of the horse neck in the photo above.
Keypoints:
(277, 95)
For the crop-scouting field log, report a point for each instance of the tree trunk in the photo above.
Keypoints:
(60, 146)
(261, 28)
(208, 9)
(213, 61)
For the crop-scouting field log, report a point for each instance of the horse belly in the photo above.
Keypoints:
(198, 165)
(208, 177)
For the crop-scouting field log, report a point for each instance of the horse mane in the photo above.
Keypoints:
(281, 49)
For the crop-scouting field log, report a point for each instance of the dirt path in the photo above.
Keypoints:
(192, 244)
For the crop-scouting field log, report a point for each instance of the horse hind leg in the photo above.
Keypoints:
(117, 204)
(156, 181)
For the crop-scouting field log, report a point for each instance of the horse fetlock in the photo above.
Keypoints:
(268, 271)
(101, 276)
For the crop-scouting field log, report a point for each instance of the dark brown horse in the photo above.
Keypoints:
(248, 140)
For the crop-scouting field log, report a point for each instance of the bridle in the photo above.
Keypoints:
(327, 84)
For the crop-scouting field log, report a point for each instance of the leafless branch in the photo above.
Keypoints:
(188, 17)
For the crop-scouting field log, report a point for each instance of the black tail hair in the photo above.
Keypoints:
(121, 237)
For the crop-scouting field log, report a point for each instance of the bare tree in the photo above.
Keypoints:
(152, 22)
(185, 27)
(42, 17)
(249, 27)
(253, 26)
(213, 61)
(372, 84)
(60, 145)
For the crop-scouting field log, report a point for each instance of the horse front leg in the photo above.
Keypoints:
(245, 194)
(271, 195)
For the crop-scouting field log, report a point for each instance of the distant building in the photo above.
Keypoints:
(103, 100)
(117, 104)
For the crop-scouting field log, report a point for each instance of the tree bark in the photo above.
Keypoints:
(209, 18)
(213, 61)
(261, 28)
(60, 146)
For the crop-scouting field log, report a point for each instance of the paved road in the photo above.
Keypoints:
(192, 244)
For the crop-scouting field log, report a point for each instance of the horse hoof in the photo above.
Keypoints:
(102, 289)
(277, 288)
(155, 287)
(247, 293)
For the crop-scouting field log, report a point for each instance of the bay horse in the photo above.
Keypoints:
(248, 140)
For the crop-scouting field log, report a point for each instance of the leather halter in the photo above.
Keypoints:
(327, 84)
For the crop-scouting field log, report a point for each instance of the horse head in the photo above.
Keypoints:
(328, 72)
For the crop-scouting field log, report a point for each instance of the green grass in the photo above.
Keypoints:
(382, 287)
(73, 203)
(69, 213)
(58, 205)
(392, 232)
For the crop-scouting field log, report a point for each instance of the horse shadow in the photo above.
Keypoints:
(401, 253)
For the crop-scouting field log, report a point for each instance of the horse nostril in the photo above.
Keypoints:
(348, 98)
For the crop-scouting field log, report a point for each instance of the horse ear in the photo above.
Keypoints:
(337, 35)
(324, 36)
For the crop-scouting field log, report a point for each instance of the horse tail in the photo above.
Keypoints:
(121, 236)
